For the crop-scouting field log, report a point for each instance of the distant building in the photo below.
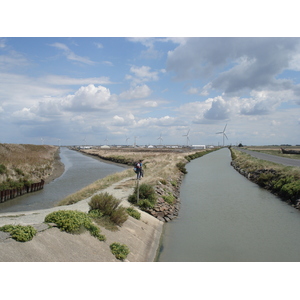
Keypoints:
(104, 147)
(198, 146)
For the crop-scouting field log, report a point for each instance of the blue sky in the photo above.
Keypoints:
(75, 89)
(88, 89)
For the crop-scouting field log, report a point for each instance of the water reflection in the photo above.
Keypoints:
(80, 171)
(225, 217)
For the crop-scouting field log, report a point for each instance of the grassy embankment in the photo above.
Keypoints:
(283, 181)
(24, 164)
(159, 166)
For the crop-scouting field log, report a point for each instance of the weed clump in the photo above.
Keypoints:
(20, 233)
(120, 251)
(73, 221)
(133, 213)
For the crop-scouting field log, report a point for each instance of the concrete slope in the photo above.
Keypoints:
(50, 244)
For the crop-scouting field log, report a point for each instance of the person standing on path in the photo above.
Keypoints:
(139, 170)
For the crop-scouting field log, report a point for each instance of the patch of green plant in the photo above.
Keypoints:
(19, 232)
(163, 181)
(108, 205)
(265, 178)
(95, 213)
(19, 172)
(73, 221)
(147, 196)
(181, 167)
(144, 204)
(169, 198)
(120, 251)
(197, 155)
(291, 190)
(133, 213)
(2, 169)
(174, 183)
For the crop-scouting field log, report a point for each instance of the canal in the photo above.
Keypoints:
(80, 171)
(226, 218)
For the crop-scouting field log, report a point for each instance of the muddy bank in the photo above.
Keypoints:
(58, 168)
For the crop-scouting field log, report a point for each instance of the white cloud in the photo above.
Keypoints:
(142, 74)
(71, 55)
(236, 64)
(150, 104)
(89, 98)
(141, 91)
(64, 80)
(99, 45)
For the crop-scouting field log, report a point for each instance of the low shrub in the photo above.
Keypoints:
(181, 167)
(104, 202)
(20, 233)
(108, 205)
(147, 196)
(133, 213)
(119, 215)
(120, 251)
(73, 221)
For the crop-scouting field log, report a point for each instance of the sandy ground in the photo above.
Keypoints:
(58, 168)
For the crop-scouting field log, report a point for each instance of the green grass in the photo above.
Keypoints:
(281, 180)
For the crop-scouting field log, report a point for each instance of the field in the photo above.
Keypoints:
(159, 165)
(276, 150)
(26, 162)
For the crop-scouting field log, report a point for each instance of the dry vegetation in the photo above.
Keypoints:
(159, 165)
(26, 162)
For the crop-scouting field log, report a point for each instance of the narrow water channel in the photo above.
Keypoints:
(80, 171)
(226, 218)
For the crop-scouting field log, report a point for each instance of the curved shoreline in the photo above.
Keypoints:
(58, 168)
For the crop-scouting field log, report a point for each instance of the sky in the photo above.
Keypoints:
(117, 90)
(121, 89)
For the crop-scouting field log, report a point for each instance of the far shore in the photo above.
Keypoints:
(58, 168)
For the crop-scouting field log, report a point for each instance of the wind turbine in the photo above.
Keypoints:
(187, 137)
(106, 140)
(127, 138)
(136, 137)
(160, 139)
(224, 134)
(42, 141)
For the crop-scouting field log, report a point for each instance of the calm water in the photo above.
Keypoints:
(226, 218)
(80, 171)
